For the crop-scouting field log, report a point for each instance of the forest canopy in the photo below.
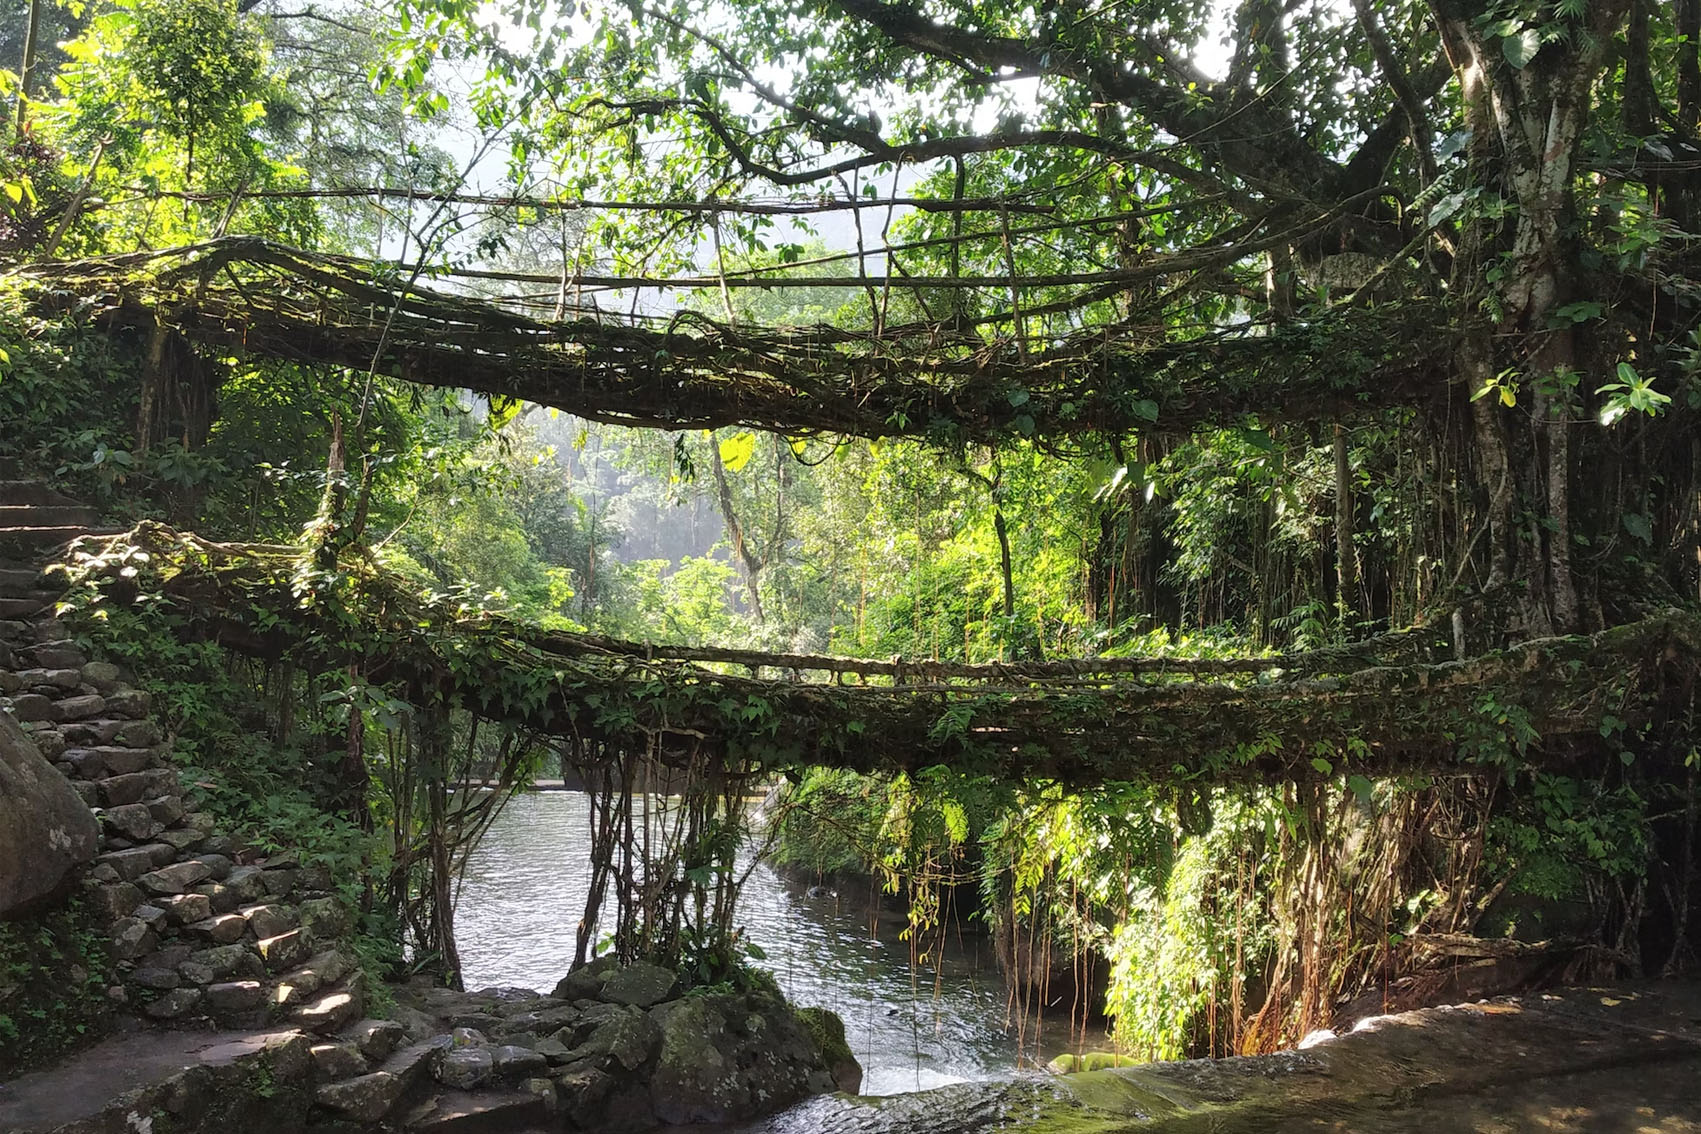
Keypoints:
(962, 332)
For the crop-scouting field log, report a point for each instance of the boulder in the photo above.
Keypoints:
(167, 810)
(729, 1057)
(328, 967)
(516, 1062)
(138, 734)
(332, 1012)
(466, 1067)
(46, 830)
(585, 982)
(120, 899)
(456, 1112)
(333, 1061)
(132, 820)
(185, 909)
(226, 961)
(628, 1038)
(235, 996)
(131, 703)
(828, 1032)
(81, 707)
(175, 1003)
(270, 921)
(696, 1079)
(59, 655)
(219, 864)
(245, 882)
(116, 791)
(641, 985)
(34, 707)
(284, 951)
(104, 676)
(222, 929)
(325, 918)
(376, 1039)
(365, 1099)
(174, 879)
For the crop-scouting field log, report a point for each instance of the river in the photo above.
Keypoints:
(912, 1026)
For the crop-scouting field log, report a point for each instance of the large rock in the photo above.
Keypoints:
(730, 1057)
(585, 982)
(628, 1038)
(828, 1031)
(364, 1099)
(641, 985)
(45, 827)
(466, 1067)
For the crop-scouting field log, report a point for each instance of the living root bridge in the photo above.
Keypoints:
(246, 295)
(1380, 707)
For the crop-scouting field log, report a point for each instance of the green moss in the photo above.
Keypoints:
(1070, 1063)
(829, 1033)
(54, 971)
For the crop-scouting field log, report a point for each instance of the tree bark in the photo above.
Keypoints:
(740, 545)
(1689, 65)
(31, 31)
(1527, 123)
(1346, 558)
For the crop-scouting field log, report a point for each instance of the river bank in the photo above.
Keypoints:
(913, 1020)
(1578, 1061)
(249, 956)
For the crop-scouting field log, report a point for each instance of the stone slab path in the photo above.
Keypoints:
(84, 1085)
(1624, 1059)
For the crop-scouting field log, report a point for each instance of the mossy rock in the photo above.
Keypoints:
(828, 1031)
(1071, 1064)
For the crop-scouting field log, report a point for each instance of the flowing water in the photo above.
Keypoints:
(912, 1026)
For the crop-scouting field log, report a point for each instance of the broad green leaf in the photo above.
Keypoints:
(737, 450)
(1519, 49)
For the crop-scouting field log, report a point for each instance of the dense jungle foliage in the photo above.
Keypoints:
(1504, 193)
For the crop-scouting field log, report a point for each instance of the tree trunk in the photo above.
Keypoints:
(1003, 532)
(740, 546)
(1689, 65)
(153, 384)
(31, 31)
(1346, 558)
(1526, 124)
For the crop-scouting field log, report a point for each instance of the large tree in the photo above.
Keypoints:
(1503, 193)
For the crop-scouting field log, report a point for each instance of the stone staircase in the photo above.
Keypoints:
(206, 932)
(244, 957)
(35, 521)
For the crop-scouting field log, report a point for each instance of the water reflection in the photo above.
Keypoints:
(911, 1026)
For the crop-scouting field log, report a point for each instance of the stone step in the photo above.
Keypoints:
(19, 493)
(33, 542)
(18, 608)
(47, 515)
(491, 1111)
(21, 580)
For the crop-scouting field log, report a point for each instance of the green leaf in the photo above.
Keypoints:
(1521, 48)
(1579, 312)
(737, 450)
(1639, 526)
(1359, 786)
(1446, 208)
(1323, 766)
